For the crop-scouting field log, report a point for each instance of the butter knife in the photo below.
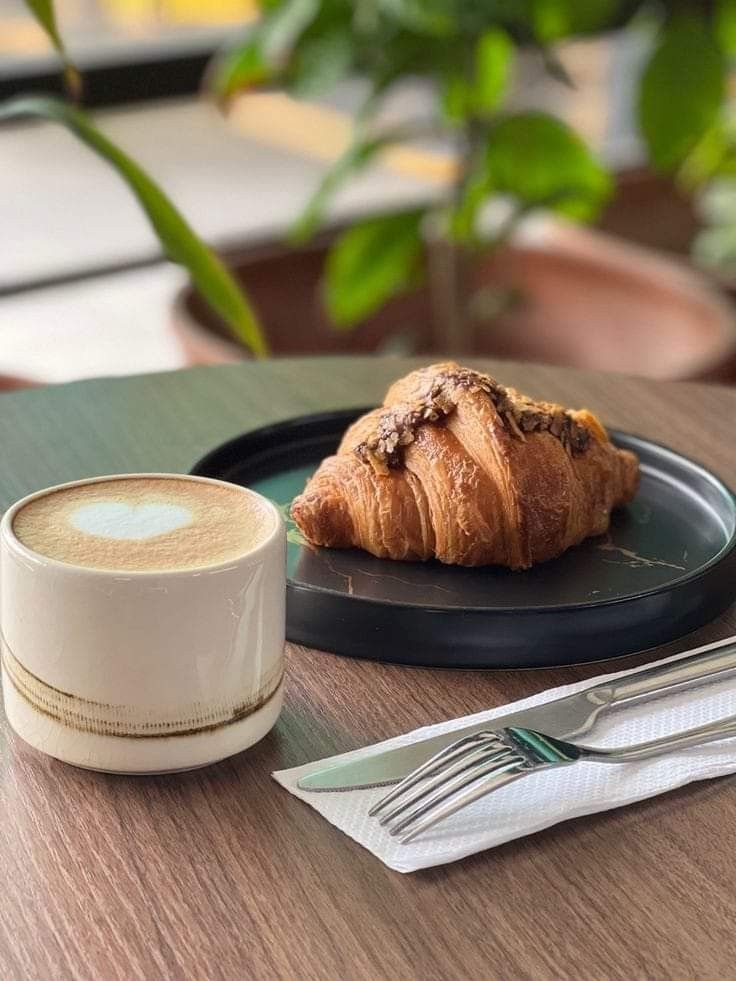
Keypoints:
(571, 715)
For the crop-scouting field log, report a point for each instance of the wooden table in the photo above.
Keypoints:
(221, 874)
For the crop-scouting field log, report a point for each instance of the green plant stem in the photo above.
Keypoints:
(451, 265)
(445, 275)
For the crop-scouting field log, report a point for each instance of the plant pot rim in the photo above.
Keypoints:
(540, 235)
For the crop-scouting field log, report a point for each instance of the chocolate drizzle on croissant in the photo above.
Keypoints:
(397, 425)
(458, 468)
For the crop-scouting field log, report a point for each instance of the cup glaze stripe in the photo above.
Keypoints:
(103, 719)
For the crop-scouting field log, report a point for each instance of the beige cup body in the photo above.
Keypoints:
(143, 671)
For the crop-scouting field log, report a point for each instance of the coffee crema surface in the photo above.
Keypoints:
(143, 524)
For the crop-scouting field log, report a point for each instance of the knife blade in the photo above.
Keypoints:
(388, 767)
(564, 717)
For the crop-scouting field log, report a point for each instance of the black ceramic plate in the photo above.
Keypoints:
(667, 566)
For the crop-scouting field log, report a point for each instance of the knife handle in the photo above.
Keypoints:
(692, 667)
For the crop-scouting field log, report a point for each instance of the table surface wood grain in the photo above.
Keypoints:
(221, 874)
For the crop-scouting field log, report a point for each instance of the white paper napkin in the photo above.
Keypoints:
(540, 800)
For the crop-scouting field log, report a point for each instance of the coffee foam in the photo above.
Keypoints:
(143, 524)
(131, 522)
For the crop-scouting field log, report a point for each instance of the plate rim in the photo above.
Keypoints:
(351, 413)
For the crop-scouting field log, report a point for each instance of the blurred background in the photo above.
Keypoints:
(460, 235)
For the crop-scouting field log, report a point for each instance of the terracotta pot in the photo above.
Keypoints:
(594, 301)
(583, 298)
(10, 383)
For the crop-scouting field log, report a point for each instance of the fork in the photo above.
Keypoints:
(476, 765)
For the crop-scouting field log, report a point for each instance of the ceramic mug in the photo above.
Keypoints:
(143, 671)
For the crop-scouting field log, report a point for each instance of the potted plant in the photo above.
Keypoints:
(451, 276)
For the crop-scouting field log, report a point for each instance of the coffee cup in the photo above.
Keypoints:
(142, 620)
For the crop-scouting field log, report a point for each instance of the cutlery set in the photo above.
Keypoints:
(436, 777)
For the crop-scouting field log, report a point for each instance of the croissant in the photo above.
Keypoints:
(456, 467)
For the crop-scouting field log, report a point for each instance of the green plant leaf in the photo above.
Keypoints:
(493, 57)
(705, 159)
(435, 18)
(371, 262)
(724, 21)
(283, 25)
(358, 155)
(264, 51)
(179, 241)
(552, 20)
(43, 11)
(320, 63)
(478, 94)
(681, 90)
(240, 69)
(455, 97)
(541, 163)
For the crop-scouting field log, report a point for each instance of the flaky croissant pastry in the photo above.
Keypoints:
(457, 467)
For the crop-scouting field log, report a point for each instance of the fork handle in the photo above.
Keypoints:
(709, 733)
(697, 666)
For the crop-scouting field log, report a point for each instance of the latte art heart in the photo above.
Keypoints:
(129, 522)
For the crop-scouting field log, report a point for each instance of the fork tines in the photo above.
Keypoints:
(447, 782)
